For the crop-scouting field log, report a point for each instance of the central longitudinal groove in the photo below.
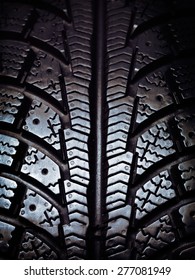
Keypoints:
(97, 142)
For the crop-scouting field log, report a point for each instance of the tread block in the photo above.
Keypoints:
(40, 212)
(154, 94)
(42, 168)
(6, 235)
(117, 230)
(13, 56)
(153, 145)
(10, 103)
(74, 234)
(154, 237)
(187, 213)
(119, 119)
(187, 169)
(79, 168)
(184, 72)
(43, 122)
(186, 124)
(7, 189)
(49, 29)
(44, 74)
(8, 149)
(33, 248)
(155, 192)
(75, 231)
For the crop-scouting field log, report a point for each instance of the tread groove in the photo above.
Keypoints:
(98, 104)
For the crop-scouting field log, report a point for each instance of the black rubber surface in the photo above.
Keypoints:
(97, 129)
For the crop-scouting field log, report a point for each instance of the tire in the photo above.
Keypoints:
(97, 129)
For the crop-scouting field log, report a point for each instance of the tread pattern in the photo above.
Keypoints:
(154, 193)
(7, 192)
(6, 235)
(49, 78)
(149, 90)
(45, 124)
(33, 248)
(156, 236)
